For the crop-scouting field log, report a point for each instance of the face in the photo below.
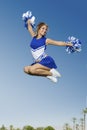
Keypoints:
(43, 30)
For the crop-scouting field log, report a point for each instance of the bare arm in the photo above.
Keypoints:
(30, 29)
(57, 43)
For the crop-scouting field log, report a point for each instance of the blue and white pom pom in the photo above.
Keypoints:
(76, 45)
(26, 16)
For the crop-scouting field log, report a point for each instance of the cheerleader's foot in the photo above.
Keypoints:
(55, 73)
(52, 78)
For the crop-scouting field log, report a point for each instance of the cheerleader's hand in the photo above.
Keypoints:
(28, 21)
(76, 47)
(28, 16)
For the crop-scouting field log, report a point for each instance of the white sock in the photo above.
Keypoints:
(55, 73)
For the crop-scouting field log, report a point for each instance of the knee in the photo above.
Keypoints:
(26, 69)
(29, 70)
(32, 70)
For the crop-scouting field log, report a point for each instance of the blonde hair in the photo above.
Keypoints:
(39, 26)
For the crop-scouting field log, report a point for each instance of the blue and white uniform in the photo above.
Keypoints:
(38, 47)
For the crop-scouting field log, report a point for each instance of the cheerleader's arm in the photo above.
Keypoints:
(30, 29)
(57, 43)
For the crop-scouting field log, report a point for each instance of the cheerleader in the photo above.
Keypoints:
(44, 65)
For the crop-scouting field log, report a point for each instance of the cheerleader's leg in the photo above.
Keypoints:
(37, 69)
(40, 70)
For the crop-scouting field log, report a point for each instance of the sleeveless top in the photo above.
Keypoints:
(38, 47)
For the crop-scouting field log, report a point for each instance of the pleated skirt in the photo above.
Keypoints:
(48, 61)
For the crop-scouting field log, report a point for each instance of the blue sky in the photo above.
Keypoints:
(35, 100)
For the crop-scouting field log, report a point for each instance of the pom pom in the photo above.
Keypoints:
(76, 45)
(26, 16)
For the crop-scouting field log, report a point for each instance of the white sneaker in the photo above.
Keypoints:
(55, 73)
(52, 78)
